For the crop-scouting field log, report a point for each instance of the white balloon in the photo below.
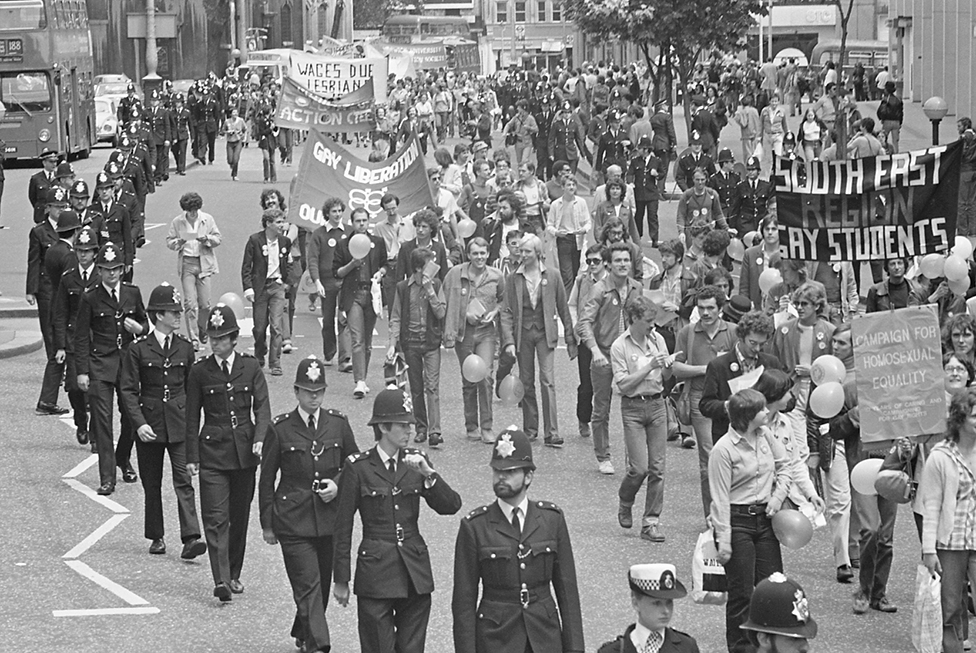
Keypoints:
(963, 247)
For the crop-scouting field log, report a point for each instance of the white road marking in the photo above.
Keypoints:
(129, 597)
(95, 536)
(97, 498)
(81, 467)
(101, 612)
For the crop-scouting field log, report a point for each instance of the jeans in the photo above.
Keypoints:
(424, 374)
(650, 208)
(569, 260)
(234, 155)
(837, 491)
(534, 345)
(893, 129)
(966, 218)
(477, 397)
(269, 309)
(645, 438)
(755, 556)
(957, 568)
(584, 391)
(877, 516)
(602, 380)
(270, 175)
(196, 298)
(332, 343)
(702, 426)
(361, 320)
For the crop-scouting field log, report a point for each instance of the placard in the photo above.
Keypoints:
(333, 77)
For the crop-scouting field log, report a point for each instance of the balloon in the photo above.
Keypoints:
(770, 277)
(828, 369)
(932, 265)
(749, 240)
(474, 368)
(234, 302)
(960, 287)
(736, 250)
(792, 529)
(963, 248)
(827, 400)
(359, 245)
(864, 474)
(956, 268)
(511, 390)
(466, 228)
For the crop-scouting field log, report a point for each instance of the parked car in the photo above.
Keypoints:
(111, 79)
(106, 120)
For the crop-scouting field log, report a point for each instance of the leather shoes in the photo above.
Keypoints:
(845, 574)
(652, 533)
(222, 592)
(193, 548)
(625, 517)
(44, 408)
(884, 606)
(106, 489)
(129, 474)
(236, 586)
(157, 547)
(82, 436)
(94, 447)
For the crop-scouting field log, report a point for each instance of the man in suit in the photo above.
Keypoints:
(653, 589)
(752, 200)
(230, 389)
(162, 127)
(40, 291)
(75, 280)
(355, 297)
(644, 172)
(308, 448)
(685, 173)
(110, 316)
(40, 182)
(322, 246)
(153, 389)
(520, 551)
(753, 331)
(725, 180)
(393, 574)
(181, 122)
(665, 141)
(112, 220)
(566, 139)
(264, 274)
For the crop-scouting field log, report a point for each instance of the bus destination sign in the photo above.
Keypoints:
(11, 51)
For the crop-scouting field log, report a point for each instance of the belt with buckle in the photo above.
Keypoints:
(161, 393)
(523, 596)
(645, 397)
(752, 509)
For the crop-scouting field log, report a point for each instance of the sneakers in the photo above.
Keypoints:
(554, 441)
(276, 371)
(606, 467)
(860, 602)
(286, 347)
(884, 606)
(652, 533)
(488, 437)
(688, 442)
(361, 390)
(624, 516)
(584, 429)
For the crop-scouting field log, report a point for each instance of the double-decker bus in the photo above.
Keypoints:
(46, 71)
(410, 28)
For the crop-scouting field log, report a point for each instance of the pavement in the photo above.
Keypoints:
(77, 576)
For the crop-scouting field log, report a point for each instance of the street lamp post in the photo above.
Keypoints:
(935, 109)
(151, 81)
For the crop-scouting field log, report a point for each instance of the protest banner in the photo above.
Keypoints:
(426, 56)
(328, 170)
(333, 77)
(299, 108)
(868, 209)
(898, 366)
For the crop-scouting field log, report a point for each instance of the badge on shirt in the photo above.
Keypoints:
(332, 242)
(704, 211)
(734, 367)
(614, 301)
(759, 261)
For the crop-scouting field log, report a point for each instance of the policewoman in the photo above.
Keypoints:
(520, 553)
(231, 390)
(153, 390)
(779, 617)
(393, 574)
(300, 464)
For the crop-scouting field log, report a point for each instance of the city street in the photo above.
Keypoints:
(77, 574)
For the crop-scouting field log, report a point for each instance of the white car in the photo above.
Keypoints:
(106, 120)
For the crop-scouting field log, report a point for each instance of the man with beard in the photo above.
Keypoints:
(518, 549)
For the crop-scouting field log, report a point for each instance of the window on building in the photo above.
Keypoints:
(557, 11)
(501, 12)
(542, 11)
(286, 24)
(520, 9)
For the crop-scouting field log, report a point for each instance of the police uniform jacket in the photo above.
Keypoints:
(100, 334)
(645, 184)
(126, 105)
(40, 239)
(685, 174)
(161, 125)
(143, 156)
(750, 206)
(611, 150)
(543, 120)
(665, 139)
(153, 385)
(675, 641)
(566, 140)
(59, 256)
(393, 555)
(360, 278)
(236, 409)
(37, 193)
(114, 225)
(254, 267)
(66, 305)
(181, 121)
(518, 574)
(725, 185)
(292, 508)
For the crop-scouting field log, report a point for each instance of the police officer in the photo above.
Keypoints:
(393, 575)
(143, 146)
(112, 220)
(684, 174)
(40, 182)
(79, 197)
(61, 253)
(153, 388)
(644, 171)
(40, 291)
(181, 121)
(520, 552)
(307, 447)
(653, 589)
(725, 181)
(752, 200)
(162, 126)
(126, 104)
(64, 175)
(134, 163)
(779, 617)
(75, 280)
(230, 389)
(110, 316)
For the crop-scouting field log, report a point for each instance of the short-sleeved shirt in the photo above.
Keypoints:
(704, 349)
(626, 356)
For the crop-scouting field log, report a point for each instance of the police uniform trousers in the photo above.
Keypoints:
(225, 506)
(100, 404)
(150, 456)
(308, 563)
(53, 370)
(162, 163)
(393, 625)
(179, 154)
(77, 398)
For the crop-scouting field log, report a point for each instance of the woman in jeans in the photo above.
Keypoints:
(193, 235)
(948, 491)
(234, 128)
(749, 478)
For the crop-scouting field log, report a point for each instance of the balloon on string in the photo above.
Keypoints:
(359, 246)
(828, 369)
(932, 265)
(234, 302)
(474, 368)
(963, 248)
(511, 390)
(959, 287)
(956, 268)
(466, 228)
(736, 250)
(864, 474)
(827, 400)
(792, 529)
(769, 278)
(749, 240)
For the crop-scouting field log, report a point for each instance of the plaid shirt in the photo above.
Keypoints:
(963, 535)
